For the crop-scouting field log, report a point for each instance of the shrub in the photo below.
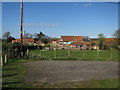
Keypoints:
(107, 47)
(13, 49)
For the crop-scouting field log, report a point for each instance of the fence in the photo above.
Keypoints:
(74, 55)
(68, 55)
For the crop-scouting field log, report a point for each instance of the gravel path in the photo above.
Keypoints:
(65, 71)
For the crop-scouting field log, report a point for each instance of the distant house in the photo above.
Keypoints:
(108, 41)
(70, 38)
(82, 42)
(96, 47)
(39, 42)
(25, 41)
(54, 43)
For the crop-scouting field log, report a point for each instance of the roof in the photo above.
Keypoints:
(78, 38)
(71, 38)
(68, 38)
(37, 41)
(80, 43)
(28, 40)
(88, 43)
(108, 40)
(77, 43)
(54, 40)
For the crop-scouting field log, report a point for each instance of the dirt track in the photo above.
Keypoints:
(65, 71)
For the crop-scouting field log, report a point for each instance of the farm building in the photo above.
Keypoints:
(54, 43)
(75, 41)
(25, 41)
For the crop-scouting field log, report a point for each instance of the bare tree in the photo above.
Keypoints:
(117, 37)
(35, 35)
(117, 33)
(27, 35)
(101, 39)
(6, 35)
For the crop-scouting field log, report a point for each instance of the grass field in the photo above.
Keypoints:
(75, 55)
(13, 76)
(108, 83)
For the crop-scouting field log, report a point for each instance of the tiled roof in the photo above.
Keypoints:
(78, 38)
(109, 40)
(88, 43)
(71, 38)
(77, 43)
(80, 43)
(54, 40)
(27, 40)
(37, 41)
(68, 38)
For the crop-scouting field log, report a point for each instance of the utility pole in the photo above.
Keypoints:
(21, 28)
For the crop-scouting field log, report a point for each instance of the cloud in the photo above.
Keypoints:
(88, 4)
(41, 25)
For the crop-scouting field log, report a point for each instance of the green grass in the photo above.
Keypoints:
(108, 83)
(75, 55)
(13, 74)
(14, 77)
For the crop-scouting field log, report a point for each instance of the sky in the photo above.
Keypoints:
(61, 18)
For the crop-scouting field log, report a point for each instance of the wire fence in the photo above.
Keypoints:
(74, 55)
(88, 55)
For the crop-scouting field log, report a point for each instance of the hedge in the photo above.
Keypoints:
(13, 49)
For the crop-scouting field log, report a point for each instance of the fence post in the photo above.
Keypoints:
(5, 58)
(27, 53)
(1, 61)
(46, 54)
(97, 53)
(111, 55)
(68, 53)
(54, 53)
(84, 54)
(40, 53)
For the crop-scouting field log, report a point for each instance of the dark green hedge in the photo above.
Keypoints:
(13, 49)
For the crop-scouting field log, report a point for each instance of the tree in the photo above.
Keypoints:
(41, 36)
(35, 35)
(27, 35)
(116, 36)
(45, 40)
(10, 38)
(55, 38)
(117, 33)
(101, 39)
(6, 35)
(30, 36)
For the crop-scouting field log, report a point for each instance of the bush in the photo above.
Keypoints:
(107, 47)
(13, 49)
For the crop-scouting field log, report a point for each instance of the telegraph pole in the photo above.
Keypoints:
(21, 29)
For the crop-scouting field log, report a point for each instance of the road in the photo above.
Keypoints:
(66, 71)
